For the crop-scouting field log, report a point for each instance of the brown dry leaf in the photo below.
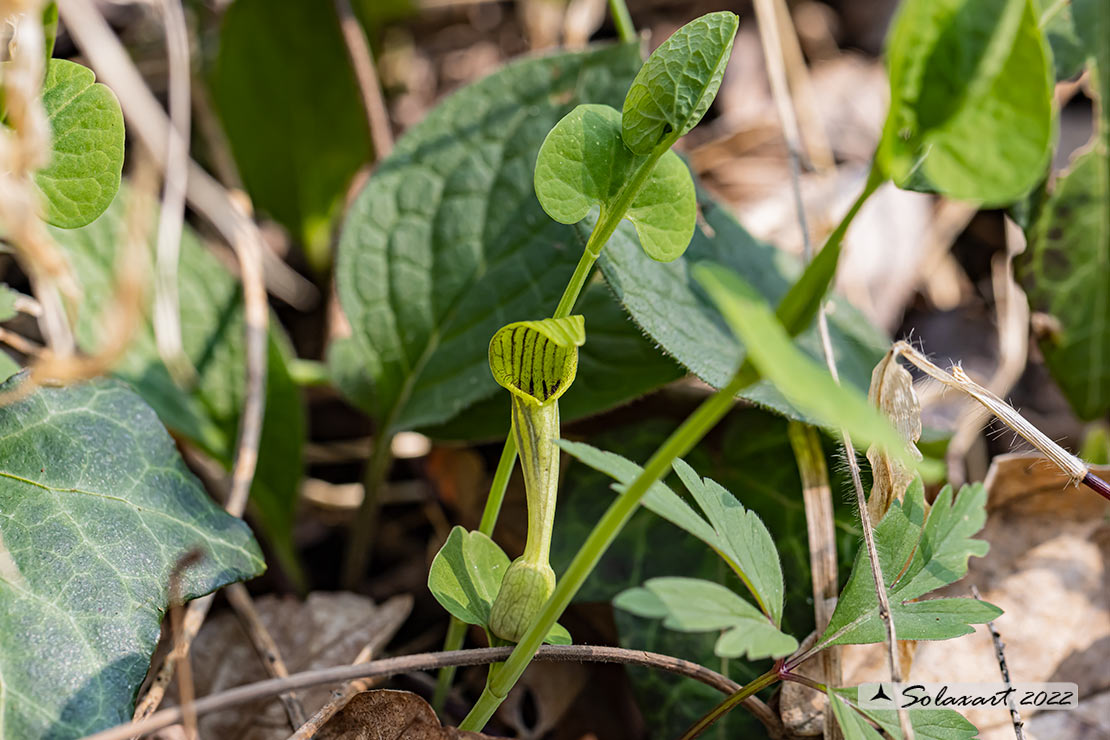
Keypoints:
(325, 630)
(892, 393)
(1049, 569)
(389, 715)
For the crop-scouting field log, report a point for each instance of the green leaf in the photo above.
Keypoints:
(617, 365)
(447, 242)
(671, 307)
(971, 99)
(678, 82)
(98, 508)
(86, 149)
(918, 553)
(8, 297)
(537, 360)
(283, 87)
(466, 575)
(212, 327)
(744, 540)
(1057, 21)
(806, 385)
(49, 28)
(1065, 271)
(854, 726)
(584, 163)
(693, 605)
(928, 724)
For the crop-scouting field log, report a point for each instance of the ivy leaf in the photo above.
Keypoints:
(466, 575)
(673, 309)
(806, 385)
(284, 89)
(693, 605)
(584, 163)
(918, 553)
(1065, 272)
(447, 242)
(971, 99)
(212, 326)
(97, 510)
(86, 157)
(678, 82)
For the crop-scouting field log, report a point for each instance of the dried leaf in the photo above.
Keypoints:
(892, 393)
(389, 715)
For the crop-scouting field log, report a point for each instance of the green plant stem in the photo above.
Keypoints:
(362, 530)
(456, 633)
(623, 20)
(679, 443)
(750, 689)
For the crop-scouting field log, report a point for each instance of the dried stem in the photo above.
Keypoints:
(431, 661)
(186, 693)
(171, 216)
(1004, 669)
(370, 90)
(266, 648)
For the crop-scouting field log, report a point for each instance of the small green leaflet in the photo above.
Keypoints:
(678, 82)
(584, 163)
(971, 99)
(96, 510)
(918, 553)
(806, 385)
(86, 157)
(466, 575)
(694, 605)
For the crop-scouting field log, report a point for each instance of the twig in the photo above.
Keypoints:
(370, 90)
(186, 691)
(20, 343)
(431, 661)
(266, 648)
(149, 123)
(776, 74)
(390, 616)
(171, 217)
(801, 92)
(998, 652)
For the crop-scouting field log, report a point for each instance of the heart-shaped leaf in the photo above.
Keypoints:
(584, 163)
(97, 510)
(676, 85)
(447, 242)
(86, 151)
(537, 360)
(971, 99)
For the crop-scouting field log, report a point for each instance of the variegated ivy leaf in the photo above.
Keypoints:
(537, 360)
(677, 83)
(584, 163)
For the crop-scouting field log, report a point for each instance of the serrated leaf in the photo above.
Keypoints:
(918, 553)
(86, 148)
(735, 533)
(465, 577)
(1065, 271)
(212, 327)
(971, 99)
(284, 89)
(678, 82)
(693, 605)
(806, 385)
(97, 510)
(744, 540)
(584, 164)
(537, 360)
(669, 305)
(447, 242)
